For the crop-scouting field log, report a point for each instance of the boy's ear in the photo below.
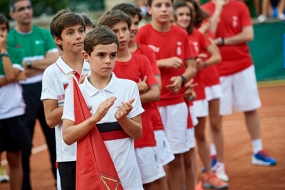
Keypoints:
(85, 56)
(149, 10)
(57, 40)
(11, 14)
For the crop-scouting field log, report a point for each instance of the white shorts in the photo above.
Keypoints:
(193, 116)
(163, 148)
(213, 92)
(239, 90)
(174, 119)
(149, 164)
(201, 108)
(191, 138)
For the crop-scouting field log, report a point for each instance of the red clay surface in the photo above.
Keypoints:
(243, 175)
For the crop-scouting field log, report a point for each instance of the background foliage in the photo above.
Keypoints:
(52, 6)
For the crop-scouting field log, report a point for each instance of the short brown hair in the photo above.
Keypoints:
(4, 20)
(64, 18)
(129, 9)
(88, 21)
(100, 35)
(113, 17)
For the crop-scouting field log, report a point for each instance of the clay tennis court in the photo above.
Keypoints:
(243, 175)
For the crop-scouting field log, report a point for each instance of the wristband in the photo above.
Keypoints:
(5, 54)
(29, 64)
(221, 41)
(183, 80)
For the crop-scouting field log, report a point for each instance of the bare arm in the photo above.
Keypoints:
(53, 113)
(42, 64)
(152, 95)
(216, 15)
(173, 62)
(246, 35)
(72, 133)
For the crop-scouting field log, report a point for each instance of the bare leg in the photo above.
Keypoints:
(257, 7)
(280, 6)
(190, 169)
(252, 123)
(176, 168)
(202, 144)
(216, 128)
(160, 184)
(16, 171)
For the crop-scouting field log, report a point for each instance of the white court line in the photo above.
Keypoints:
(34, 151)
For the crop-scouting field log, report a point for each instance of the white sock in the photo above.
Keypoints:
(256, 145)
(213, 149)
(220, 164)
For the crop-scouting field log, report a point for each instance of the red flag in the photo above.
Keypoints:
(95, 169)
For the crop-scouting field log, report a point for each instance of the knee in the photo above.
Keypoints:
(215, 126)
(14, 159)
(200, 136)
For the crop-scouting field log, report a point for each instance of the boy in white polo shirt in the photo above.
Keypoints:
(113, 101)
(68, 30)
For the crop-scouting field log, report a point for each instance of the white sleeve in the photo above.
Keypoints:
(137, 105)
(68, 108)
(48, 86)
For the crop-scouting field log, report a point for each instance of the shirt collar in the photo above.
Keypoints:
(66, 69)
(91, 90)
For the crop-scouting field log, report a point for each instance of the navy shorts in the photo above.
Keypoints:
(14, 136)
(67, 173)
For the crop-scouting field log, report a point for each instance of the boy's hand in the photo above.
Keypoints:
(189, 93)
(82, 78)
(143, 87)
(199, 63)
(219, 4)
(3, 41)
(103, 109)
(174, 62)
(124, 109)
(176, 85)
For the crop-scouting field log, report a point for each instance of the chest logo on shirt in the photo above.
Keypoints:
(18, 45)
(155, 49)
(235, 21)
(196, 47)
(178, 50)
(90, 109)
(65, 84)
(37, 42)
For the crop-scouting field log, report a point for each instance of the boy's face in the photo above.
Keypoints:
(3, 30)
(134, 27)
(23, 12)
(123, 34)
(161, 10)
(183, 17)
(102, 59)
(72, 38)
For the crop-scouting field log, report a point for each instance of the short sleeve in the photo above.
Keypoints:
(204, 41)
(245, 16)
(16, 57)
(137, 105)
(68, 108)
(189, 52)
(151, 57)
(147, 71)
(48, 85)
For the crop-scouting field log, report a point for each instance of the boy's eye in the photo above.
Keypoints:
(168, 5)
(101, 54)
(82, 31)
(113, 55)
(69, 33)
(158, 5)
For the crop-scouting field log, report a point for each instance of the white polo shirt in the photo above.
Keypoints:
(121, 150)
(54, 83)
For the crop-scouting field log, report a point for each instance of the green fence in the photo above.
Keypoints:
(267, 51)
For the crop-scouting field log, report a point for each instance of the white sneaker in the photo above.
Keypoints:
(261, 18)
(3, 175)
(281, 16)
(221, 172)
